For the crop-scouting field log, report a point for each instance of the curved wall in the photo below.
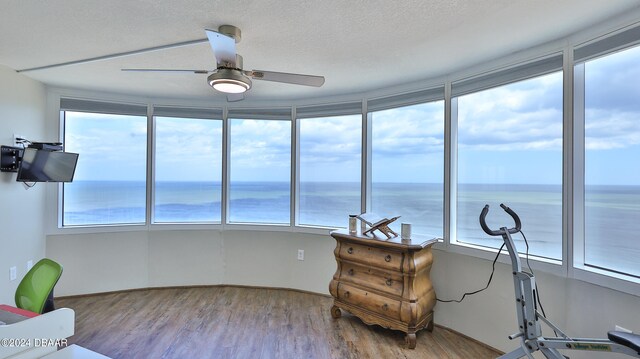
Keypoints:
(122, 259)
(102, 262)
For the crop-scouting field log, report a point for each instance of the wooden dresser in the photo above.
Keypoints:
(384, 281)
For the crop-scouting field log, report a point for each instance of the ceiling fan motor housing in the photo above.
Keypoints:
(231, 31)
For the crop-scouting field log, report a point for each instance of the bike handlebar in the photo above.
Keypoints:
(501, 231)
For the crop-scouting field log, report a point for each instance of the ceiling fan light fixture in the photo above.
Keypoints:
(229, 81)
(229, 86)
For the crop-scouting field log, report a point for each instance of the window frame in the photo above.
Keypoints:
(274, 114)
(182, 113)
(329, 111)
(579, 269)
(523, 72)
(429, 96)
(71, 104)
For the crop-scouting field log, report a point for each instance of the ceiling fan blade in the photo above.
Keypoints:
(167, 70)
(297, 79)
(235, 97)
(116, 55)
(224, 48)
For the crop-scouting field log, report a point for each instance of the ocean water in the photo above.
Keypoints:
(611, 213)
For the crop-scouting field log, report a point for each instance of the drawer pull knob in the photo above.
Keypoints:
(347, 294)
(351, 271)
(350, 250)
(385, 307)
(389, 281)
(387, 258)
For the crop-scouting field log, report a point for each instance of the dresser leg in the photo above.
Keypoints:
(430, 325)
(335, 312)
(410, 340)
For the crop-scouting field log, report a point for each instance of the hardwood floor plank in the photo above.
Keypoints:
(237, 322)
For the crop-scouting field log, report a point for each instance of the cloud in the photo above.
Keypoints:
(408, 131)
(260, 143)
(523, 115)
(110, 146)
(96, 133)
(188, 149)
(611, 82)
(330, 139)
(606, 129)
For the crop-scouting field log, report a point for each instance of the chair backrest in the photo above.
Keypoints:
(37, 284)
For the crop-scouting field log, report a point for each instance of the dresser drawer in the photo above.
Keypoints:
(375, 257)
(371, 301)
(383, 281)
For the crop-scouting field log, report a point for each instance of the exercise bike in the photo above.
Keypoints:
(529, 319)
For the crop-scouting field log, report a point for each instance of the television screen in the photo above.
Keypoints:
(47, 166)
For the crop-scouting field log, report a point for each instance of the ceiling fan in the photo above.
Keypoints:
(229, 76)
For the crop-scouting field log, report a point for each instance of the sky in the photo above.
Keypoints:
(508, 134)
(512, 133)
(408, 144)
(260, 150)
(612, 119)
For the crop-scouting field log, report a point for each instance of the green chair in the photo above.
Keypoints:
(35, 291)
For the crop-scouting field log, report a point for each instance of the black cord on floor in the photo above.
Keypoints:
(479, 290)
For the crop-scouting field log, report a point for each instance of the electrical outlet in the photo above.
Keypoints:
(621, 329)
(300, 254)
(13, 273)
(29, 264)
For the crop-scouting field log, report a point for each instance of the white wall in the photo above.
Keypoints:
(22, 111)
(102, 262)
(123, 260)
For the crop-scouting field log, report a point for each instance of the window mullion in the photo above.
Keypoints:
(450, 164)
(366, 159)
(576, 247)
(151, 165)
(224, 196)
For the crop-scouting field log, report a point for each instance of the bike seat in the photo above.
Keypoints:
(627, 339)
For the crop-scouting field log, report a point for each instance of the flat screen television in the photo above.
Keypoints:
(47, 166)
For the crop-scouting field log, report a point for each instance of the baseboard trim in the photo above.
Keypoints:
(188, 287)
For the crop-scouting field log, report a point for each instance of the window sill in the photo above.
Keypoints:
(620, 282)
(546, 265)
(115, 228)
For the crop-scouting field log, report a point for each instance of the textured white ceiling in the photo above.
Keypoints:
(358, 45)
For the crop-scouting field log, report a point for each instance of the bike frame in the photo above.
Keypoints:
(529, 319)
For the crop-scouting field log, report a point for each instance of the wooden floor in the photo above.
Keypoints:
(237, 322)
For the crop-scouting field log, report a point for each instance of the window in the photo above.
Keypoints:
(188, 170)
(330, 176)
(408, 165)
(510, 151)
(612, 149)
(109, 185)
(260, 171)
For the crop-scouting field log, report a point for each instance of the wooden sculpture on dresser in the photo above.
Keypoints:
(375, 221)
(384, 227)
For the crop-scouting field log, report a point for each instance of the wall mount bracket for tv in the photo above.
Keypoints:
(10, 158)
